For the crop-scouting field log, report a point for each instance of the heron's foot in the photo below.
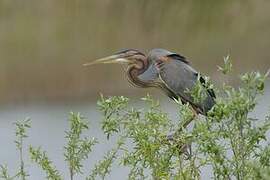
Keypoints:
(182, 148)
(186, 150)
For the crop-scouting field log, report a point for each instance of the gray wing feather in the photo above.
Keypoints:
(180, 77)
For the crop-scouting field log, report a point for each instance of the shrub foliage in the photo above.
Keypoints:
(229, 141)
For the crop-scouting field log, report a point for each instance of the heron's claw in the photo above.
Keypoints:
(183, 148)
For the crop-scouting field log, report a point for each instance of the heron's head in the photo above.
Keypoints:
(127, 56)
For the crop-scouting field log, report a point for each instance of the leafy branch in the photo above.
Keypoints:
(41, 158)
(77, 148)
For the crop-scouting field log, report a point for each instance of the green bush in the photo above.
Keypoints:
(153, 146)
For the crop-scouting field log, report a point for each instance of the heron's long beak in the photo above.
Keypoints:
(109, 60)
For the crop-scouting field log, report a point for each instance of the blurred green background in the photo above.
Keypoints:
(43, 44)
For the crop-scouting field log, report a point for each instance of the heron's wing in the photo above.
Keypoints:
(179, 77)
(178, 57)
(211, 92)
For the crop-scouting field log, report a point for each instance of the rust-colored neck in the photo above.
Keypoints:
(136, 69)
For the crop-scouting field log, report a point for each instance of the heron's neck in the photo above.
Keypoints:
(137, 69)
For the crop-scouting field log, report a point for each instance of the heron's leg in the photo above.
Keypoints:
(172, 138)
(187, 122)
